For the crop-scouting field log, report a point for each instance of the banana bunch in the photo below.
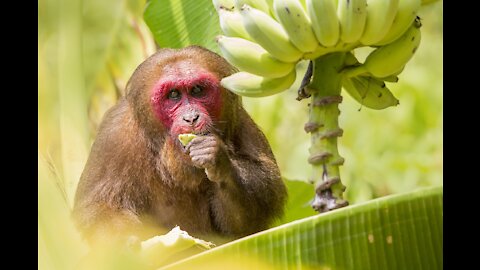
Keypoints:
(265, 39)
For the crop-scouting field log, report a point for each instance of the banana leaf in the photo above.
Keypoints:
(401, 231)
(177, 24)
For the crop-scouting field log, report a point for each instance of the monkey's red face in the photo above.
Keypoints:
(187, 100)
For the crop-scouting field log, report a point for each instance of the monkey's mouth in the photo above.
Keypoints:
(199, 130)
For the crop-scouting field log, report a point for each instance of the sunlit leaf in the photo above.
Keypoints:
(403, 231)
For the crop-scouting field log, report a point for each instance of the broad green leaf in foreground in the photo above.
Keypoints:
(403, 231)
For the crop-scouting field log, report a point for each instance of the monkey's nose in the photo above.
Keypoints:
(191, 118)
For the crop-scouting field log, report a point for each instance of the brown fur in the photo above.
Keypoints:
(137, 177)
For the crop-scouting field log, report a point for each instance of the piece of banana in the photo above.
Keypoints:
(186, 138)
(258, 4)
(267, 32)
(352, 15)
(380, 15)
(295, 21)
(228, 4)
(231, 23)
(251, 85)
(251, 57)
(370, 92)
(406, 14)
(323, 15)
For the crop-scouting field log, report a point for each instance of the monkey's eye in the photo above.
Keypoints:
(174, 94)
(197, 91)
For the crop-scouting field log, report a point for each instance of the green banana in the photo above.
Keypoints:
(269, 34)
(250, 85)
(258, 4)
(370, 92)
(251, 57)
(352, 61)
(228, 4)
(391, 58)
(352, 15)
(323, 15)
(231, 23)
(391, 78)
(295, 21)
(426, 2)
(340, 47)
(406, 14)
(380, 15)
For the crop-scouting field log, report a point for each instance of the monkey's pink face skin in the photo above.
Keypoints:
(187, 102)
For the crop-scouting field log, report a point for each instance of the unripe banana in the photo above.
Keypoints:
(426, 2)
(323, 15)
(228, 4)
(295, 21)
(406, 14)
(352, 15)
(350, 59)
(391, 78)
(250, 85)
(380, 15)
(340, 47)
(391, 58)
(258, 4)
(269, 34)
(231, 23)
(251, 57)
(370, 92)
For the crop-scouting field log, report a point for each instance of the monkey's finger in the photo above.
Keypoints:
(203, 151)
(202, 145)
(204, 138)
(199, 140)
(201, 161)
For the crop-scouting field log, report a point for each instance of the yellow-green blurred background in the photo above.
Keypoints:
(88, 49)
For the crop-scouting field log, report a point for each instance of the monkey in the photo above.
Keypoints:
(139, 180)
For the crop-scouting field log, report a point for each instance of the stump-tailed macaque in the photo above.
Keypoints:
(225, 182)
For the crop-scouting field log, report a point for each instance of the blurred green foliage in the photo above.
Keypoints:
(88, 49)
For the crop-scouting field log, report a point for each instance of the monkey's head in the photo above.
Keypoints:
(179, 91)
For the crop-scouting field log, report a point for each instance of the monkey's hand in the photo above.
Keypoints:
(208, 152)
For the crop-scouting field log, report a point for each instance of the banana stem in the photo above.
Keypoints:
(325, 89)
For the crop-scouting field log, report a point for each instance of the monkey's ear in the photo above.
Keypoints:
(128, 87)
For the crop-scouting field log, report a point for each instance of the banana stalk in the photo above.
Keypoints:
(325, 89)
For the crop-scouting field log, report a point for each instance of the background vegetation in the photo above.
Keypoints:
(88, 49)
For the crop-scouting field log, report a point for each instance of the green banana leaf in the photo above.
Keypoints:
(402, 231)
(177, 24)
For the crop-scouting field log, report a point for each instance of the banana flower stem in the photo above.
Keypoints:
(325, 89)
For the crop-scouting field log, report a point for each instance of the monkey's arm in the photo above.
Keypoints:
(248, 190)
